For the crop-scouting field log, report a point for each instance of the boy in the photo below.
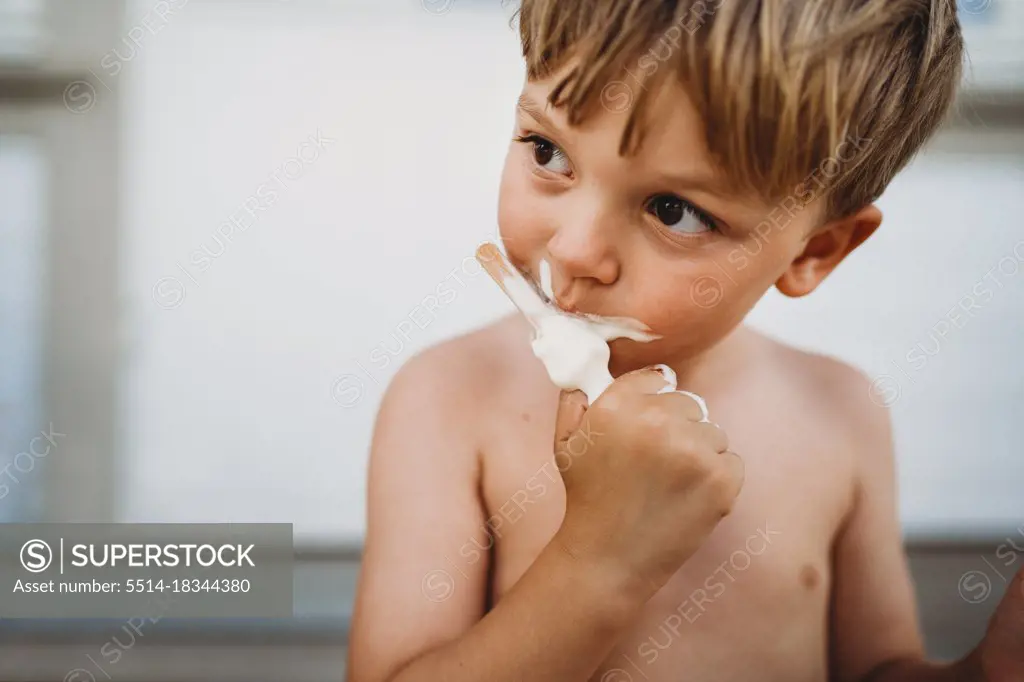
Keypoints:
(672, 160)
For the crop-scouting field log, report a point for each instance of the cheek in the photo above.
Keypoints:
(521, 218)
(691, 311)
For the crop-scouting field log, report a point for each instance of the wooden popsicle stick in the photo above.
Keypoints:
(511, 281)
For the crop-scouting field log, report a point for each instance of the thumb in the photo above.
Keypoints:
(572, 405)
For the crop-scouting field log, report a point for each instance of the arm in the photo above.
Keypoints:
(875, 632)
(413, 622)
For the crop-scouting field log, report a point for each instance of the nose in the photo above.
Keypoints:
(582, 255)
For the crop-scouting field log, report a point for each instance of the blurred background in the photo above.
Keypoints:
(218, 216)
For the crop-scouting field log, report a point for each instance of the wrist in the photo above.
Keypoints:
(622, 589)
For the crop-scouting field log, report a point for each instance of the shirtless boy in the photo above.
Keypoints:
(672, 160)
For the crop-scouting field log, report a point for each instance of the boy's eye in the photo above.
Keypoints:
(546, 154)
(679, 214)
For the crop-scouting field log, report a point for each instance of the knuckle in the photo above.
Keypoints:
(691, 441)
(720, 485)
(654, 417)
(610, 401)
(684, 446)
(719, 439)
(688, 467)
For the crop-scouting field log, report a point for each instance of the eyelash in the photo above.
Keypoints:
(701, 215)
(705, 219)
(535, 139)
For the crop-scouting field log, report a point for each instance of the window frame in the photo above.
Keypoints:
(46, 97)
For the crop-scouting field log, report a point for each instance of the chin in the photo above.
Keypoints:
(627, 355)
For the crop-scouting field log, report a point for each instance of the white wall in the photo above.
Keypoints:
(232, 408)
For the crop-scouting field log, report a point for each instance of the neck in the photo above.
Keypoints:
(709, 371)
(719, 365)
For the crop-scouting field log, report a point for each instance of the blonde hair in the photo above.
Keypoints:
(779, 84)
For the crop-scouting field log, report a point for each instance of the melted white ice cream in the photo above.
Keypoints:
(573, 348)
(575, 352)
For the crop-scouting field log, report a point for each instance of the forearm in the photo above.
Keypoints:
(556, 625)
(918, 670)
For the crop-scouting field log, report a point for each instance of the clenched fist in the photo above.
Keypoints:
(647, 481)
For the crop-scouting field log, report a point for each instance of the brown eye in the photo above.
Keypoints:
(543, 152)
(679, 214)
(546, 152)
(667, 208)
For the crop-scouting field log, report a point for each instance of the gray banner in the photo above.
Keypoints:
(150, 570)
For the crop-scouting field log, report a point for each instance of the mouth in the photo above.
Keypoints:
(541, 279)
(623, 327)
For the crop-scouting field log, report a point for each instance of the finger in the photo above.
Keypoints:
(697, 399)
(648, 380)
(713, 435)
(682, 404)
(572, 405)
(737, 470)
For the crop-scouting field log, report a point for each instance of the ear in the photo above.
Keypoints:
(826, 248)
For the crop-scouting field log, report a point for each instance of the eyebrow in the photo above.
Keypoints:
(531, 108)
(708, 184)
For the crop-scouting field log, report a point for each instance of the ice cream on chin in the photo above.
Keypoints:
(572, 347)
(575, 352)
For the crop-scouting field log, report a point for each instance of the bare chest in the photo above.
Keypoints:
(752, 603)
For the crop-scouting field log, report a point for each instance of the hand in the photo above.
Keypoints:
(646, 482)
(1001, 653)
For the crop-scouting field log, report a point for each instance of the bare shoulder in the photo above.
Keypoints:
(836, 395)
(458, 381)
